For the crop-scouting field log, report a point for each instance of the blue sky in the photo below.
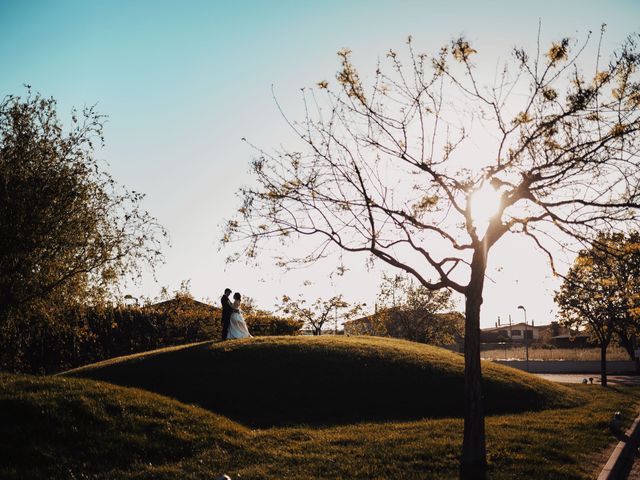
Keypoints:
(183, 82)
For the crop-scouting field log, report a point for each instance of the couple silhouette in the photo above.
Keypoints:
(233, 324)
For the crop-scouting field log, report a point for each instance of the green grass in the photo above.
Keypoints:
(68, 428)
(284, 381)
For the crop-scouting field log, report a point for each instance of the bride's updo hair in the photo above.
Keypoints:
(236, 296)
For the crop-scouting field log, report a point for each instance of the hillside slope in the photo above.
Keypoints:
(323, 380)
(66, 428)
(69, 428)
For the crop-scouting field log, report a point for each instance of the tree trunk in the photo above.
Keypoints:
(627, 344)
(473, 464)
(603, 364)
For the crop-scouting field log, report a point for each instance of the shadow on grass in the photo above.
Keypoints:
(320, 382)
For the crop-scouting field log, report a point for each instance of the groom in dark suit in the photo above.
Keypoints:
(226, 312)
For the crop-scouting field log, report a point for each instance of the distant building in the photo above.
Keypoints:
(555, 334)
(572, 340)
(516, 332)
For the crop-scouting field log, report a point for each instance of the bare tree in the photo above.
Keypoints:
(426, 169)
(406, 309)
(320, 312)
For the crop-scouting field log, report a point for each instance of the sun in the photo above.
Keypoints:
(484, 204)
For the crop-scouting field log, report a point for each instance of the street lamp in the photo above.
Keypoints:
(526, 343)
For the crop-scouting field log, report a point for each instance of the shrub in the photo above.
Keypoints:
(42, 341)
(264, 324)
(48, 340)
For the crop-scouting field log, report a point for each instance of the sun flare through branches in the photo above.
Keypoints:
(484, 203)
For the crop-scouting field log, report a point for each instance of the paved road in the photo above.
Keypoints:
(579, 377)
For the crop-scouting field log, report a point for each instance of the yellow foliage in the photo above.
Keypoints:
(618, 129)
(426, 203)
(559, 51)
(633, 100)
(552, 144)
(349, 78)
(522, 117)
(600, 78)
(462, 50)
(617, 93)
(549, 94)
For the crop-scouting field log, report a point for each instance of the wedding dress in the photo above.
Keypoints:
(237, 325)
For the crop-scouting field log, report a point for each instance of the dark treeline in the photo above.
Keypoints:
(48, 342)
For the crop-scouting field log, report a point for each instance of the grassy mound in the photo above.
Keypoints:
(325, 380)
(68, 428)
(71, 428)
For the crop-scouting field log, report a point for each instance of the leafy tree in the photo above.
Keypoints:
(320, 312)
(413, 312)
(602, 291)
(68, 232)
(392, 169)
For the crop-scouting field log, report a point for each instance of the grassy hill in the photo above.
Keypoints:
(54, 427)
(74, 428)
(323, 380)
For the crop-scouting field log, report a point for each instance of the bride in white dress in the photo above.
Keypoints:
(237, 325)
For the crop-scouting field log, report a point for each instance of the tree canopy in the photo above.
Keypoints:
(408, 310)
(68, 231)
(319, 313)
(602, 291)
(384, 171)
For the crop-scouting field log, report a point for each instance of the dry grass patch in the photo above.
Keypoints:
(579, 354)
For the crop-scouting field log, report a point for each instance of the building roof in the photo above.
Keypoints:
(519, 326)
